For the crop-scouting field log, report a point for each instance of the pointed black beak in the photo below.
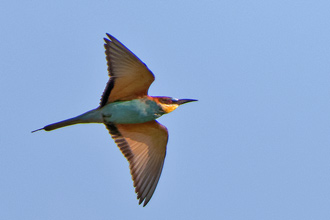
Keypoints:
(183, 101)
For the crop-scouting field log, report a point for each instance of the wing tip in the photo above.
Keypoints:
(109, 35)
(109, 39)
(145, 201)
(112, 39)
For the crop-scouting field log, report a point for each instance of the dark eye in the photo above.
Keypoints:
(169, 101)
(166, 100)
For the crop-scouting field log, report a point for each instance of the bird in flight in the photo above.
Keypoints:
(130, 114)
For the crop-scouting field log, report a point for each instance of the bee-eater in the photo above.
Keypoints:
(130, 114)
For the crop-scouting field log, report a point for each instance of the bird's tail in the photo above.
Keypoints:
(70, 121)
(92, 116)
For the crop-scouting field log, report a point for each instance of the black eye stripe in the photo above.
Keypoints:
(166, 101)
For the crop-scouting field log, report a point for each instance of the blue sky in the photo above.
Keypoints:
(255, 146)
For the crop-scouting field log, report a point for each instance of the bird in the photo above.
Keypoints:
(130, 114)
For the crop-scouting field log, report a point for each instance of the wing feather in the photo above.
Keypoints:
(129, 79)
(144, 146)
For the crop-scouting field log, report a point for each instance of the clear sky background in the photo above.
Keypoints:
(255, 146)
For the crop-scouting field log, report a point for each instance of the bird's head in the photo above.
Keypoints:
(169, 104)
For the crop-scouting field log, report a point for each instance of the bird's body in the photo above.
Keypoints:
(130, 114)
(121, 112)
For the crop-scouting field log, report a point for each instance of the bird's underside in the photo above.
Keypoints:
(129, 114)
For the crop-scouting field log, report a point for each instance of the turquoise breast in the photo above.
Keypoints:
(131, 112)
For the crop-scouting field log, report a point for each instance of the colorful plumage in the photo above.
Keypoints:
(130, 116)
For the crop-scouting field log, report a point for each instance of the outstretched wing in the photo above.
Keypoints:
(130, 78)
(144, 146)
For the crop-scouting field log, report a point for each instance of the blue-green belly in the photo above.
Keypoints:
(131, 112)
